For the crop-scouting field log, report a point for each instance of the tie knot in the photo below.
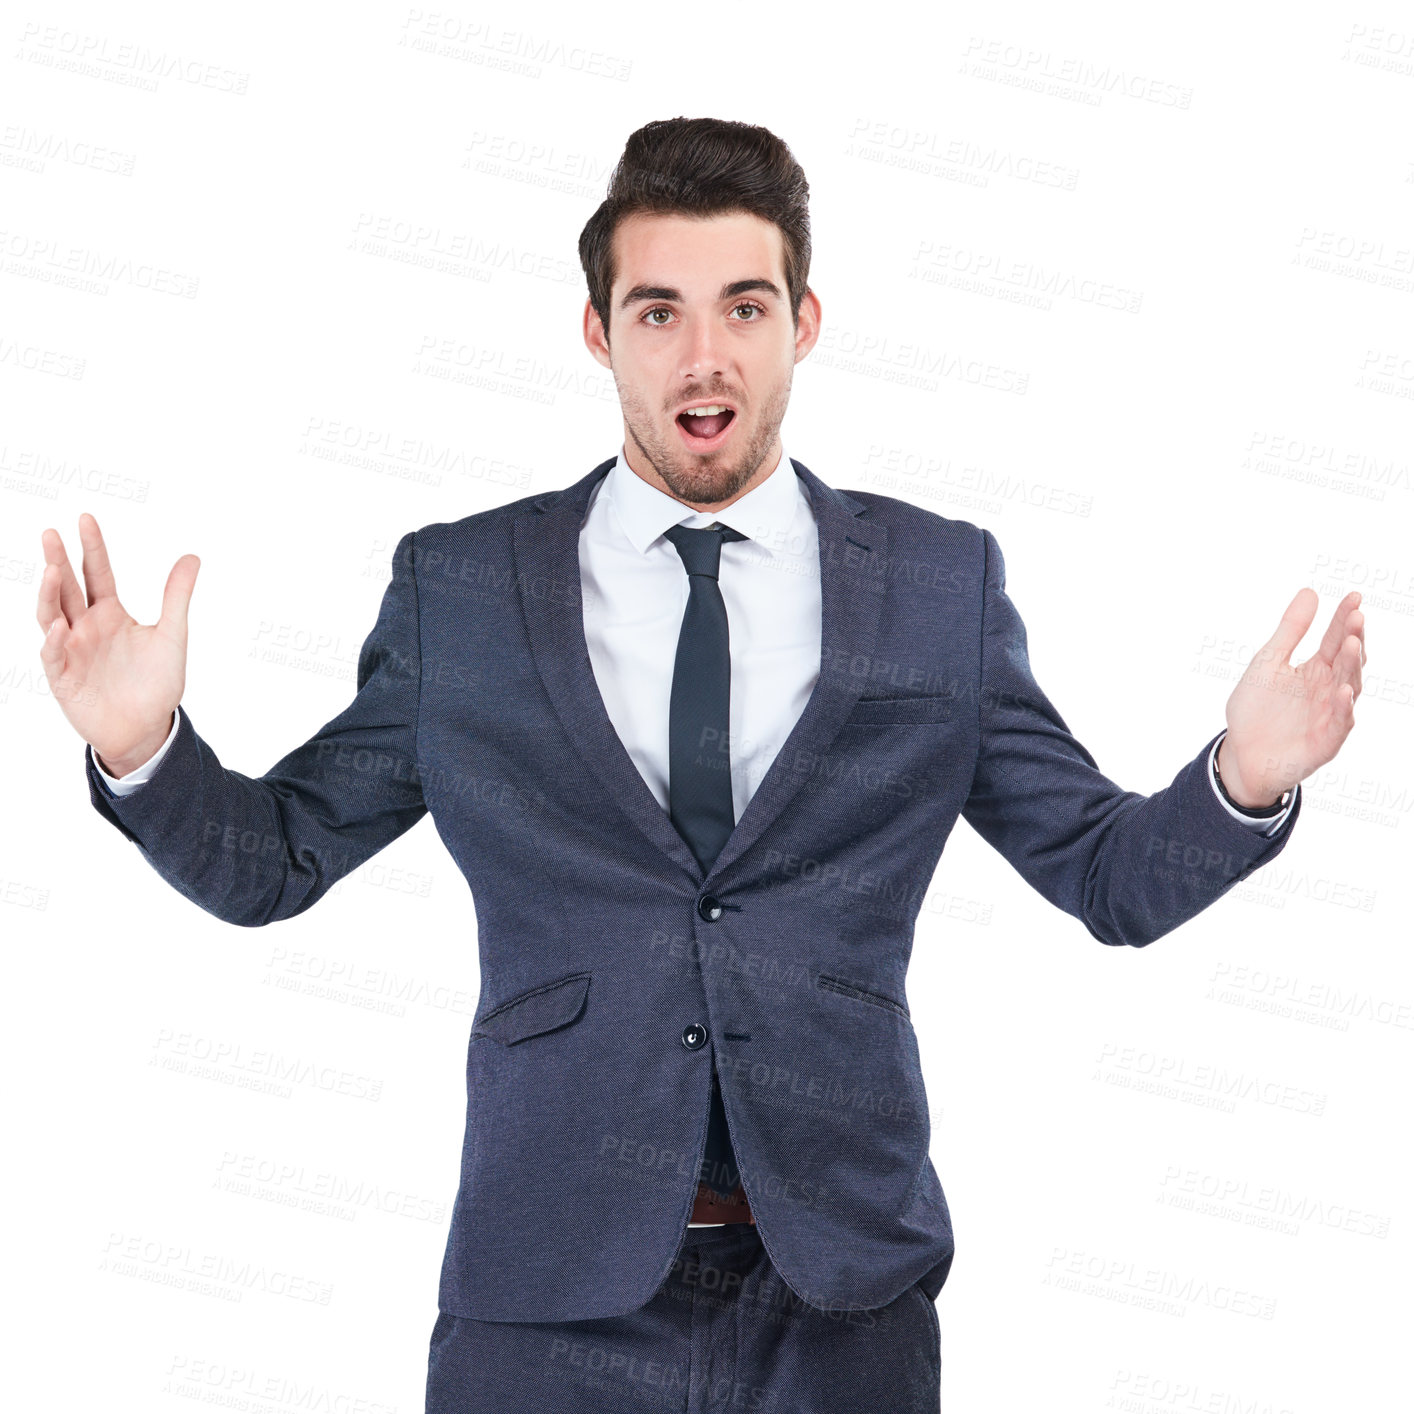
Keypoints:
(701, 550)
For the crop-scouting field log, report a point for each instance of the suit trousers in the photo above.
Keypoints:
(722, 1333)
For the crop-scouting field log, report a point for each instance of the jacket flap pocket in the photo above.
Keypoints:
(532, 1013)
(846, 988)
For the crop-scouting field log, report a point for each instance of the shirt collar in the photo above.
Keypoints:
(644, 512)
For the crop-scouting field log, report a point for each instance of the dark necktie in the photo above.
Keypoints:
(699, 758)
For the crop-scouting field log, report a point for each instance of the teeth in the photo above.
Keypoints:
(708, 411)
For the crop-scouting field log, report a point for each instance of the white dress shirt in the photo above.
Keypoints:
(636, 591)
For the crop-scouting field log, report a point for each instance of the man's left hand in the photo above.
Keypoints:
(1285, 722)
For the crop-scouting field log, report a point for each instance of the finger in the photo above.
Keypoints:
(1294, 623)
(71, 600)
(1351, 651)
(1345, 713)
(52, 653)
(177, 596)
(1345, 673)
(97, 572)
(1355, 623)
(1338, 629)
(47, 609)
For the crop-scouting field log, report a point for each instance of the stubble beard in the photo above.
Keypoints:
(707, 480)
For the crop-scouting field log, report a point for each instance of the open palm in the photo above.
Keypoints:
(1285, 722)
(117, 681)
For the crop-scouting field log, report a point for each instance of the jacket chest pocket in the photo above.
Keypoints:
(886, 711)
(547, 1007)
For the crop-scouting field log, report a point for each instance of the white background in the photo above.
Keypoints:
(1133, 289)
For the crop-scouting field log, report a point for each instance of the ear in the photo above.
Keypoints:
(595, 339)
(808, 330)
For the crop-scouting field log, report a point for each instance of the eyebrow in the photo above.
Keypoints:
(640, 293)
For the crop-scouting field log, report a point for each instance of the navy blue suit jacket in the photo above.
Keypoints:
(601, 942)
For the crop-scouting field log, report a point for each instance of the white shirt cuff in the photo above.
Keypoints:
(125, 785)
(1268, 825)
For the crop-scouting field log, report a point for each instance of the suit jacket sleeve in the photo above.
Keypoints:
(1130, 867)
(255, 850)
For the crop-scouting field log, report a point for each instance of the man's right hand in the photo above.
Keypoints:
(117, 681)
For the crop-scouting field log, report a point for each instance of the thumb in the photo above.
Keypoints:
(177, 596)
(1294, 624)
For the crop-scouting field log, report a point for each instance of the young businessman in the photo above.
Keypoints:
(696, 732)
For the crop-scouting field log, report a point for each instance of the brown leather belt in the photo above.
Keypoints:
(707, 1207)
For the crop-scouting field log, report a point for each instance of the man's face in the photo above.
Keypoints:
(699, 315)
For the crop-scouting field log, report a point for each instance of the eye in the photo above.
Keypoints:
(647, 316)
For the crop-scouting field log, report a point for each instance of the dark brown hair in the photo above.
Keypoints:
(701, 167)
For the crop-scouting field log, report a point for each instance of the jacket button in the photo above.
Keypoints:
(709, 908)
(694, 1037)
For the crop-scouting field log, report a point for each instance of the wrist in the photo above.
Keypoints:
(1237, 791)
(120, 764)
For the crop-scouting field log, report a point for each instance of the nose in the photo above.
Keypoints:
(704, 356)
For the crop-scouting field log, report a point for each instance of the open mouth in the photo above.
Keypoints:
(705, 432)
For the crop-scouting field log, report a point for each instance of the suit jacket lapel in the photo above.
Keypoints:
(853, 580)
(547, 575)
